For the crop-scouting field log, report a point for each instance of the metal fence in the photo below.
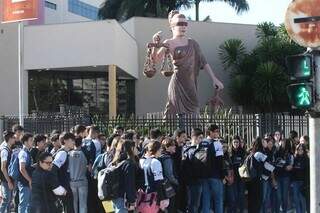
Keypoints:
(247, 126)
(45, 123)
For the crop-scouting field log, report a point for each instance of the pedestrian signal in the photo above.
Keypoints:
(301, 95)
(300, 66)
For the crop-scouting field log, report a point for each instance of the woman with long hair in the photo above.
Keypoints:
(238, 155)
(258, 164)
(284, 163)
(300, 171)
(125, 159)
(153, 175)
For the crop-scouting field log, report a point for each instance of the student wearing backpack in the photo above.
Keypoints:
(78, 179)
(190, 171)
(60, 169)
(6, 182)
(153, 176)
(89, 149)
(125, 159)
(212, 183)
(169, 171)
(25, 169)
(257, 164)
(268, 180)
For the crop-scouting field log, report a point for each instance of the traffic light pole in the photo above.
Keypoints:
(314, 133)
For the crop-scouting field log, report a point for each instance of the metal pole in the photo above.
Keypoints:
(314, 164)
(314, 127)
(20, 70)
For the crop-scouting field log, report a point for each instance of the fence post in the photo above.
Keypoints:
(258, 124)
(1, 127)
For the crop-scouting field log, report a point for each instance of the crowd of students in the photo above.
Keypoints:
(159, 173)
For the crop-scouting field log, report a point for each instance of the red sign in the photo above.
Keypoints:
(19, 10)
(303, 22)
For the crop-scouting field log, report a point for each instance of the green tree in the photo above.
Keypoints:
(239, 5)
(259, 77)
(122, 10)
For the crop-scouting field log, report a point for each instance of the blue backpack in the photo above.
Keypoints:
(98, 165)
(13, 168)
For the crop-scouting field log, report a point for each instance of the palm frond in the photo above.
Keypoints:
(231, 52)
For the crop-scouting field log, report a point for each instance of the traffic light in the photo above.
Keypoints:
(300, 91)
(301, 95)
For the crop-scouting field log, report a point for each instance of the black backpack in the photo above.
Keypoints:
(203, 158)
(109, 182)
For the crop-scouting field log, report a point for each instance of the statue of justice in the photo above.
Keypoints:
(181, 59)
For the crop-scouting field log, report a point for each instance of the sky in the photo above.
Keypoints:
(259, 11)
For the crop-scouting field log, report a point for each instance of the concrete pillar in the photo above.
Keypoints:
(112, 79)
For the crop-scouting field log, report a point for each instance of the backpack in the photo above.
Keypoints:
(203, 158)
(89, 150)
(13, 168)
(247, 170)
(108, 182)
(98, 165)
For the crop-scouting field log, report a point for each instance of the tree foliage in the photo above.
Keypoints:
(259, 77)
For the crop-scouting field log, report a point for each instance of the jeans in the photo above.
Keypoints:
(24, 198)
(212, 189)
(194, 197)
(275, 207)
(254, 195)
(119, 206)
(80, 195)
(6, 198)
(239, 188)
(299, 199)
(266, 192)
(282, 193)
(230, 202)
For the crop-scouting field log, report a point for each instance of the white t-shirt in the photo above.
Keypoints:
(156, 167)
(22, 156)
(97, 144)
(4, 152)
(60, 158)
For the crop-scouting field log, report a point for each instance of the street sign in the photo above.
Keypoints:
(302, 22)
(18, 10)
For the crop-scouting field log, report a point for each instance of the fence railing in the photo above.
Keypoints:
(248, 126)
(45, 123)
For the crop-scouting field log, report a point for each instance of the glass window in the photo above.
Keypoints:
(49, 89)
(50, 5)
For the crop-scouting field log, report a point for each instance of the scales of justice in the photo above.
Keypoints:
(182, 60)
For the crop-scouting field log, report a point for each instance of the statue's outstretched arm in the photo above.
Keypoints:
(157, 53)
(217, 84)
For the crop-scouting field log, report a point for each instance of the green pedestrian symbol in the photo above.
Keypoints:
(303, 97)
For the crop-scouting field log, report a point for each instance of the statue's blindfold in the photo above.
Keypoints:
(181, 24)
